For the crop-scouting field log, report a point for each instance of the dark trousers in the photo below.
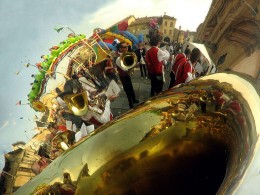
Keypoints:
(112, 75)
(75, 119)
(143, 70)
(156, 84)
(129, 90)
(172, 82)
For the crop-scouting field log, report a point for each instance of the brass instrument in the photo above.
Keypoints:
(170, 145)
(128, 60)
(86, 55)
(80, 101)
(77, 103)
(85, 59)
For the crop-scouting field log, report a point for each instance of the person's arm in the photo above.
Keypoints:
(61, 102)
(173, 62)
(109, 65)
(105, 116)
(163, 55)
(147, 58)
(118, 62)
(187, 73)
(144, 51)
(137, 53)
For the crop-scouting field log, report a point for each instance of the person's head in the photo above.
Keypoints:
(162, 44)
(195, 55)
(74, 76)
(187, 52)
(122, 47)
(80, 73)
(155, 40)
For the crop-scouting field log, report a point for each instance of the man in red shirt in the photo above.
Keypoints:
(154, 59)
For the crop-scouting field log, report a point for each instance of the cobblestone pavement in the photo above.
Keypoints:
(142, 89)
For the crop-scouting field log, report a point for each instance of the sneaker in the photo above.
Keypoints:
(142, 77)
(136, 101)
(146, 78)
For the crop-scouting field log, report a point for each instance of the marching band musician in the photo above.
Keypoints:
(125, 77)
(155, 58)
(86, 103)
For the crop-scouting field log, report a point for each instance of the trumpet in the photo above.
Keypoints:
(128, 60)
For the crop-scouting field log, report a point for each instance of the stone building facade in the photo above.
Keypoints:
(166, 26)
(231, 31)
(19, 163)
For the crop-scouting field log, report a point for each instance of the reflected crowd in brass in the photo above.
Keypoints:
(204, 128)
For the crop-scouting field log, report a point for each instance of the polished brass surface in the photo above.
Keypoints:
(77, 103)
(197, 138)
(128, 60)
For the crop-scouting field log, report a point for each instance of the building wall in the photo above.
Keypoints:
(167, 27)
(139, 29)
(249, 65)
(131, 19)
(231, 29)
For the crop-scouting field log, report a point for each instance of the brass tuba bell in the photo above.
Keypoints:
(179, 149)
(128, 60)
(75, 97)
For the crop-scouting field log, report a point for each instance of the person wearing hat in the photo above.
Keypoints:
(125, 77)
(78, 102)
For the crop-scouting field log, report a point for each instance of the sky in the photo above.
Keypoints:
(27, 32)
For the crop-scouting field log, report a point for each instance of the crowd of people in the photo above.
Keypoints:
(83, 104)
(153, 59)
(159, 57)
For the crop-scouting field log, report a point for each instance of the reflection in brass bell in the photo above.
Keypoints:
(175, 113)
(208, 153)
(203, 105)
(182, 106)
(77, 103)
(204, 98)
